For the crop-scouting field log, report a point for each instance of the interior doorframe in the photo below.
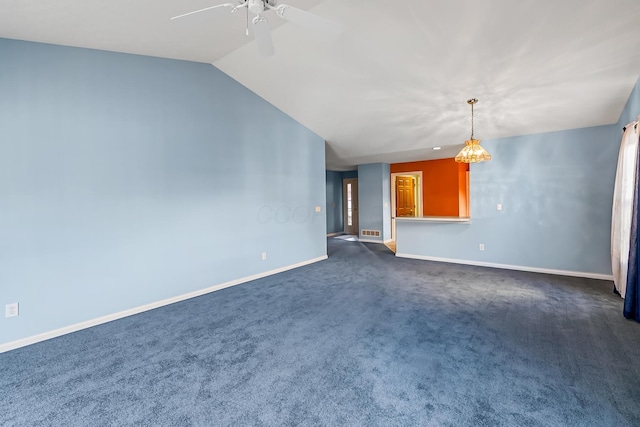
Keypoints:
(418, 196)
(354, 209)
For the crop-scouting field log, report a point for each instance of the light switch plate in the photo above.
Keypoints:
(11, 310)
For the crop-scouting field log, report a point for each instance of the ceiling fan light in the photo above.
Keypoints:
(256, 6)
(263, 36)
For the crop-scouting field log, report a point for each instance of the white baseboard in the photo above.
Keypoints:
(375, 241)
(12, 345)
(370, 241)
(337, 233)
(511, 267)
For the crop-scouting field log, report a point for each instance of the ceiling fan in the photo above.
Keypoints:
(324, 27)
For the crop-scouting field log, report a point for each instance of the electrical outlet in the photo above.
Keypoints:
(481, 247)
(11, 310)
(499, 207)
(318, 209)
(264, 256)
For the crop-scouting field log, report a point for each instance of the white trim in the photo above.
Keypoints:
(445, 219)
(12, 345)
(511, 267)
(418, 196)
(337, 233)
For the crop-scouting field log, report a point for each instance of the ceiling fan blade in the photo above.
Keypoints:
(324, 27)
(205, 9)
(263, 36)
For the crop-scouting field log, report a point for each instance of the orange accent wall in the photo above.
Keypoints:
(463, 193)
(444, 186)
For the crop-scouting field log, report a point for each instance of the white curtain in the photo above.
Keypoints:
(623, 206)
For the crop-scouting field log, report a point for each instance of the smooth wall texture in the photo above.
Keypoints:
(442, 190)
(556, 191)
(374, 200)
(335, 199)
(463, 190)
(349, 174)
(335, 217)
(631, 110)
(386, 201)
(126, 180)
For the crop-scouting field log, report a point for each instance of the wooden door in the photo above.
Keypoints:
(350, 205)
(405, 196)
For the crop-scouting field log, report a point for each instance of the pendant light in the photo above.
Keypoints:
(472, 151)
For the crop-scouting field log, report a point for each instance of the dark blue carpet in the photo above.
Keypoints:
(363, 338)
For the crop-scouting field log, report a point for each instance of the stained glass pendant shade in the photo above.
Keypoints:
(472, 151)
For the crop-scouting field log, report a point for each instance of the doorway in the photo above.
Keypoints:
(406, 197)
(350, 203)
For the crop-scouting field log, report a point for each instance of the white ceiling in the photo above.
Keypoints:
(395, 84)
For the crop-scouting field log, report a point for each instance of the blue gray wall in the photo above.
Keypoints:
(349, 174)
(631, 109)
(556, 191)
(335, 213)
(335, 216)
(125, 180)
(374, 199)
(386, 201)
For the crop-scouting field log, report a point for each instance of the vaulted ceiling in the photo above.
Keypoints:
(395, 83)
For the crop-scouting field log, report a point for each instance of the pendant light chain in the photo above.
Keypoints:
(471, 102)
(472, 119)
(472, 151)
